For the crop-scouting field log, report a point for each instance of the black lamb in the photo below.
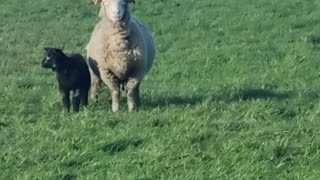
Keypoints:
(72, 75)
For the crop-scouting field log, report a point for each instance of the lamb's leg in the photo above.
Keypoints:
(84, 96)
(114, 85)
(133, 94)
(65, 99)
(76, 100)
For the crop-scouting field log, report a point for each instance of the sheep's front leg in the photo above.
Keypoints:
(114, 85)
(133, 94)
(65, 98)
(76, 100)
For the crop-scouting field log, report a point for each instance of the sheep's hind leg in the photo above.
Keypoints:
(76, 100)
(133, 94)
(114, 85)
(95, 86)
(95, 78)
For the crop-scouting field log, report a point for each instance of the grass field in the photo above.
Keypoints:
(234, 94)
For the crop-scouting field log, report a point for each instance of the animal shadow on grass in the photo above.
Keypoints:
(312, 96)
(121, 145)
(174, 100)
(3, 125)
(314, 40)
(245, 94)
(254, 94)
(69, 177)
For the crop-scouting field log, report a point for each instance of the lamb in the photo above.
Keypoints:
(72, 74)
(121, 51)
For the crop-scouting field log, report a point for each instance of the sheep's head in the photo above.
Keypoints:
(115, 10)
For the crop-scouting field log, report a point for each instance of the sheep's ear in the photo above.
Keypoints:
(102, 12)
(97, 1)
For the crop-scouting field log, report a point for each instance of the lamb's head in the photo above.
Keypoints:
(53, 59)
(115, 10)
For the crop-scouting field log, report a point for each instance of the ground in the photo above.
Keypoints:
(234, 94)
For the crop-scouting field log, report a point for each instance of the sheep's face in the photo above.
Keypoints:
(115, 9)
(51, 57)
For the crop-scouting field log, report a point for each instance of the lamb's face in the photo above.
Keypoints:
(50, 58)
(115, 9)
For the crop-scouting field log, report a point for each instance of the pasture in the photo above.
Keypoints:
(234, 94)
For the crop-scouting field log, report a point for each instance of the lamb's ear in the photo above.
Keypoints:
(52, 49)
(131, 1)
(97, 1)
(58, 49)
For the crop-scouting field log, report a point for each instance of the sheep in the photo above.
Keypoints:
(121, 51)
(72, 74)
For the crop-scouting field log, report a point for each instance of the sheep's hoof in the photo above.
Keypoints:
(115, 110)
(131, 107)
(135, 109)
(115, 107)
(94, 98)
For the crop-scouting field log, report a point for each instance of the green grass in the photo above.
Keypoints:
(234, 94)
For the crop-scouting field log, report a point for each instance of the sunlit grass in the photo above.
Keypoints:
(234, 94)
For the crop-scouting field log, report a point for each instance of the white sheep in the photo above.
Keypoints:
(120, 52)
